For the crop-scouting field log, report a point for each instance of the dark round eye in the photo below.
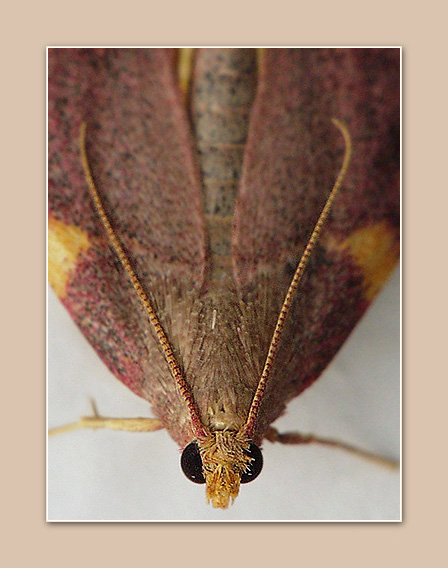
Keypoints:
(255, 466)
(191, 463)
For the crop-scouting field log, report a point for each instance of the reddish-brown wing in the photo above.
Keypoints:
(140, 151)
(292, 158)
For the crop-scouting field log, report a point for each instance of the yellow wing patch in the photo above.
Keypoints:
(375, 251)
(65, 244)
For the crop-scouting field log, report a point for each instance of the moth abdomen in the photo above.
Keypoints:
(224, 83)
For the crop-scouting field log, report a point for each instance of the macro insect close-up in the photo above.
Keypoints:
(219, 222)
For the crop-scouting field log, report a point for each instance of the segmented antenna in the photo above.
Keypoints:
(252, 416)
(163, 340)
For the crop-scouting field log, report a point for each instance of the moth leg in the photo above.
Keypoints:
(97, 421)
(273, 435)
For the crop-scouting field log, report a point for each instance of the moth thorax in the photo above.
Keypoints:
(223, 417)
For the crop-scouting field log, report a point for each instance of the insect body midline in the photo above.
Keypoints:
(183, 385)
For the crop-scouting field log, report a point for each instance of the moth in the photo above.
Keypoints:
(190, 231)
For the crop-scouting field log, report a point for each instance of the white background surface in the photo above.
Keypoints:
(108, 475)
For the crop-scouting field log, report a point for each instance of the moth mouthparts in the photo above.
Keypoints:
(223, 485)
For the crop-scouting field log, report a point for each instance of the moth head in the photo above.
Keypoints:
(222, 460)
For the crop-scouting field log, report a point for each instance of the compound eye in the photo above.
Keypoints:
(191, 463)
(255, 466)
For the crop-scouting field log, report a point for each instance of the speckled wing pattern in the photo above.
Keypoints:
(292, 159)
(141, 154)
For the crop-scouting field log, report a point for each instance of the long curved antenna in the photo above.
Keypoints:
(116, 245)
(252, 416)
